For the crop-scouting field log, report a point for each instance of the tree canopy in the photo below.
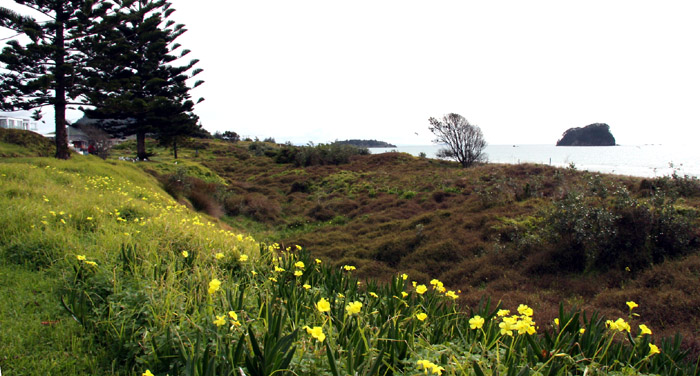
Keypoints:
(134, 78)
(45, 70)
(118, 60)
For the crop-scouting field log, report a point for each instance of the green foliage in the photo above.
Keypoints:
(321, 154)
(601, 230)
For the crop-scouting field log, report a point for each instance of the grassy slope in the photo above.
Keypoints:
(54, 211)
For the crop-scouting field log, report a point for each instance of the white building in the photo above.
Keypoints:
(15, 122)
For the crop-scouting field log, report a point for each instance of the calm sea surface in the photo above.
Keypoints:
(634, 160)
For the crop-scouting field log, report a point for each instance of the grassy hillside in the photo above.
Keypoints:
(18, 143)
(109, 274)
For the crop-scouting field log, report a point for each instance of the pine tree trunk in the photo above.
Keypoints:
(62, 151)
(141, 146)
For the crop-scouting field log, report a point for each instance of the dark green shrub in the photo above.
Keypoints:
(591, 233)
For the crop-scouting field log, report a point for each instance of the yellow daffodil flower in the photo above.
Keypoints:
(421, 316)
(306, 286)
(524, 310)
(353, 308)
(185, 254)
(476, 322)
(316, 332)
(653, 349)
(645, 329)
(243, 258)
(323, 305)
(421, 289)
(220, 320)
(299, 264)
(632, 305)
(219, 255)
(214, 286)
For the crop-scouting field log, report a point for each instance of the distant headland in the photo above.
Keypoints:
(366, 143)
(597, 134)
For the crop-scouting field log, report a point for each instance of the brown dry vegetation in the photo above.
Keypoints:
(482, 230)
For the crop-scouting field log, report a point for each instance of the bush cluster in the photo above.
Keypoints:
(321, 154)
(600, 231)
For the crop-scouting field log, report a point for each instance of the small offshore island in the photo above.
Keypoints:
(366, 143)
(597, 134)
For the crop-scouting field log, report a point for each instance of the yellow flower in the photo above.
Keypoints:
(349, 267)
(220, 320)
(89, 218)
(653, 349)
(632, 305)
(316, 332)
(645, 329)
(278, 269)
(306, 286)
(299, 264)
(273, 279)
(404, 294)
(148, 372)
(80, 257)
(476, 322)
(404, 276)
(582, 330)
(298, 247)
(254, 273)
(323, 305)
(619, 325)
(373, 294)
(185, 254)
(214, 286)
(91, 263)
(451, 294)
(428, 365)
(556, 322)
(298, 273)
(232, 315)
(353, 308)
(524, 310)
(421, 289)
(318, 261)
(219, 255)
(243, 258)
(503, 312)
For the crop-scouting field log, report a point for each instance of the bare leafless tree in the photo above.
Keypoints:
(99, 139)
(464, 141)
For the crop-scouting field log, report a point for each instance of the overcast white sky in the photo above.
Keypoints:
(524, 71)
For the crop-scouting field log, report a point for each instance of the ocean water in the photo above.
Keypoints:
(632, 160)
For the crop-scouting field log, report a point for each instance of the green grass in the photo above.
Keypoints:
(37, 336)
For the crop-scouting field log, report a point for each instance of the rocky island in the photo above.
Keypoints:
(367, 143)
(597, 134)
